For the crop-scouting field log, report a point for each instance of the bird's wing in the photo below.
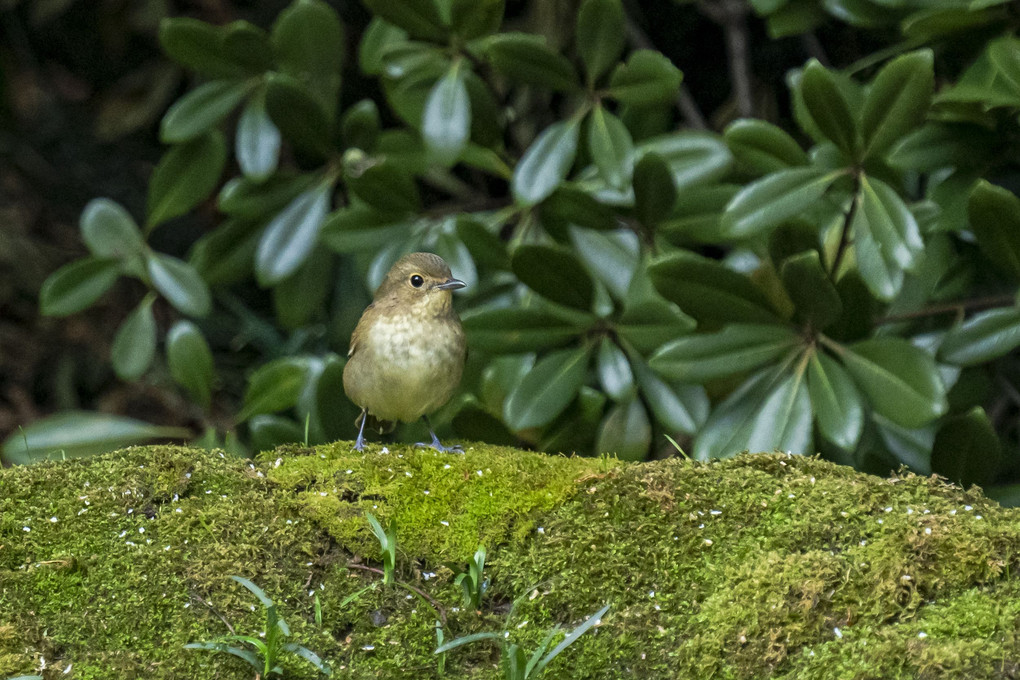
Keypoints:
(359, 331)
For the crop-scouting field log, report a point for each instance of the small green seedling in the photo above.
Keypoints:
(516, 664)
(472, 583)
(265, 658)
(440, 637)
(387, 544)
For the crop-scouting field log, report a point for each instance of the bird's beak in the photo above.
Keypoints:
(451, 284)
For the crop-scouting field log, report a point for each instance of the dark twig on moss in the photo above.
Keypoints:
(198, 598)
(438, 607)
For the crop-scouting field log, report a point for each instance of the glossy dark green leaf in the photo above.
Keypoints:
(134, 345)
(898, 101)
(611, 257)
(109, 231)
(678, 410)
(471, 19)
(298, 297)
(982, 338)
(179, 283)
(190, 361)
(299, 117)
(828, 108)
(709, 291)
(250, 200)
(697, 215)
(625, 431)
(486, 247)
(836, 402)
(654, 190)
(768, 202)
(808, 284)
(186, 175)
(939, 145)
(884, 215)
(770, 411)
(420, 18)
(648, 77)
(546, 163)
(967, 449)
(611, 147)
(600, 36)
(74, 434)
(569, 205)
(274, 387)
(793, 18)
(248, 45)
(198, 46)
(736, 348)
(554, 273)
(614, 371)
(648, 324)
(308, 40)
(695, 158)
(291, 236)
(762, 146)
(269, 431)
(257, 142)
(1005, 56)
(201, 109)
(77, 285)
(995, 220)
(526, 58)
(446, 120)
(547, 389)
(360, 125)
(386, 186)
(376, 42)
(901, 381)
(883, 279)
(516, 329)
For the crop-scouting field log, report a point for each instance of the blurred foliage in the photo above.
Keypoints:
(839, 275)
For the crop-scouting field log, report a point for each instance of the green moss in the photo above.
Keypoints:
(760, 566)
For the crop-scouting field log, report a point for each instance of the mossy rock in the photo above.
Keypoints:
(760, 566)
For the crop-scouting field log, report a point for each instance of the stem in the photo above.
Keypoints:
(958, 307)
(438, 607)
(731, 15)
(844, 238)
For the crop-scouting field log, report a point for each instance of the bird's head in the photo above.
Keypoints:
(421, 281)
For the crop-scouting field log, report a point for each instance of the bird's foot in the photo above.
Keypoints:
(438, 445)
(359, 445)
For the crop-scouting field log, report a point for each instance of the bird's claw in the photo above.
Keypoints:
(438, 446)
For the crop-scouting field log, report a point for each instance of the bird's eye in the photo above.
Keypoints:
(417, 280)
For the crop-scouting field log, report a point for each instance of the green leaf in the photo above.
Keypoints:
(251, 200)
(770, 411)
(736, 348)
(545, 164)
(526, 58)
(180, 284)
(257, 142)
(298, 297)
(933, 146)
(614, 371)
(967, 449)
(516, 329)
(600, 36)
(682, 409)
(828, 108)
(611, 147)
(571, 637)
(420, 18)
(73, 434)
(547, 389)
(274, 387)
(360, 125)
(300, 118)
(472, 19)
(885, 216)
(190, 361)
(836, 402)
(569, 205)
(762, 146)
(269, 430)
(134, 345)
(1005, 56)
(899, 98)
(697, 215)
(186, 175)
(487, 248)
(386, 186)
(109, 231)
(308, 40)
(248, 46)
(201, 109)
(376, 42)
(813, 294)
(611, 257)
(446, 121)
(77, 285)
(199, 47)
(625, 431)
(768, 202)
(291, 236)
(554, 273)
(654, 191)
(982, 338)
(901, 381)
(648, 77)
(648, 324)
(694, 158)
(709, 291)
(995, 220)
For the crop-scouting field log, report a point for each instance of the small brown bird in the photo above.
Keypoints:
(407, 351)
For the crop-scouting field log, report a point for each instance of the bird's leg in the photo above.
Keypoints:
(436, 444)
(360, 443)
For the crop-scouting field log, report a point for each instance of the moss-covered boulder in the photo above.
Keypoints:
(760, 566)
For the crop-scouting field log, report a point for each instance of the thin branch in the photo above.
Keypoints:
(195, 596)
(844, 237)
(813, 46)
(731, 15)
(438, 607)
(950, 308)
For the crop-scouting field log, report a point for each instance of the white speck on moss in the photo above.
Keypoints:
(910, 511)
(522, 624)
(446, 467)
(927, 530)
(407, 472)
(368, 648)
(141, 530)
(26, 529)
(541, 530)
(708, 541)
(323, 493)
(888, 508)
(651, 593)
(277, 463)
(953, 511)
(350, 472)
(715, 512)
(478, 472)
(838, 633)
(180, 510)
(701, 526)
(385, 449)
(426, 492)
(922, 635)
(968, 508)
(444, 522)
(978, 517)
(54, 520)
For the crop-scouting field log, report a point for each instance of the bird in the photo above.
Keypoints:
(407, 352)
